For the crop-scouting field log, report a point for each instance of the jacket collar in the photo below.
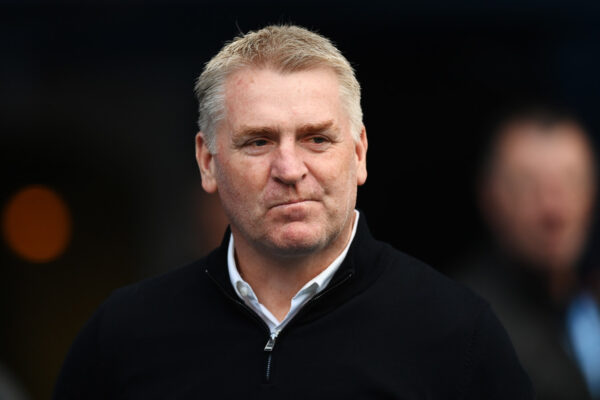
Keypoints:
(360, 268)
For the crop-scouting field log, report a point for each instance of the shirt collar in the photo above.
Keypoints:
(319, 282)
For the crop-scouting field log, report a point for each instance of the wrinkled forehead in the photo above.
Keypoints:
(246, 73)
(261, 90)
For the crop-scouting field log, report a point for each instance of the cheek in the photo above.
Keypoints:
(517, 208)
(338, 171)
(227, 181)
(578, 218)
(241, 182)
(516, 218)
(582, 207)
(339, 185)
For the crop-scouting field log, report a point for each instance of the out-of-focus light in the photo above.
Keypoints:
(36, 224)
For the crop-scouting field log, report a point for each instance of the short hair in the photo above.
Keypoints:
(287, 48)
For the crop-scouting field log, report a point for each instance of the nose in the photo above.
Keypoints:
(288, 166)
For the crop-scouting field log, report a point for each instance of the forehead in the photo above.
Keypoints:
(263, 95)
(531, 147)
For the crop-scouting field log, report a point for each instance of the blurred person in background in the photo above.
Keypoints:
(536, 191)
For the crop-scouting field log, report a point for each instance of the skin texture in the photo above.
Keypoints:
(540, 193)
(286, 170)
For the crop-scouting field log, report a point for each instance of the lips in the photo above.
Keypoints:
(289, 202)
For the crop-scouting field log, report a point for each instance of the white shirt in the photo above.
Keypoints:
(310, 289)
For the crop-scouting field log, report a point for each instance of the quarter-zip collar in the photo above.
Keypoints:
(314, 286)
(344, 284)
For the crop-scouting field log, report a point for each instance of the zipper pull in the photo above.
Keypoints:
(271, 342)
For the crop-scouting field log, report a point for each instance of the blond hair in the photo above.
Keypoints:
(287, 48)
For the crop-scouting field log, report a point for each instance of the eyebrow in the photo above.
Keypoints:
(315, 128)
(246, 131)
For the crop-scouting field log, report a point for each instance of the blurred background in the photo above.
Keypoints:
(97, 116)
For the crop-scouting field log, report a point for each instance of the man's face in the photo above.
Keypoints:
(540, 193)
(286, 166)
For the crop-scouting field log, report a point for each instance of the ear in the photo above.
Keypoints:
(361, 155)
(205, 161)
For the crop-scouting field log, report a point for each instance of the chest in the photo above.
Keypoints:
(351, 352)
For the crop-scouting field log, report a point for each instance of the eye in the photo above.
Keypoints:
(258, 143)
(257, 146)
(318, 142)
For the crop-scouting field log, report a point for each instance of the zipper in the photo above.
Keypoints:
(272, 335)
(271, 342)
(270, 345)
(269, 350)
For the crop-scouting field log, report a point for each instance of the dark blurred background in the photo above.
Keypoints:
(96, 105)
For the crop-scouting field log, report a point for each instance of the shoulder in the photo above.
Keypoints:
(152, 294)
(164, 286)
(154, 304)
(149, 312)
(440, 322)
(461, 322)
(413, 295)
(423, 285)
(403, 279)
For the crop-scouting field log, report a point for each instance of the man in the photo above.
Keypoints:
(537, 192)
(299, 301)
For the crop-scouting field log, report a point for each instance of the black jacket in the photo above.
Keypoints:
(386, 327)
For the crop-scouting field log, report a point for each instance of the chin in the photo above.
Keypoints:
(297, 243)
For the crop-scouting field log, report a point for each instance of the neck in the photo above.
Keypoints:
(276, 279)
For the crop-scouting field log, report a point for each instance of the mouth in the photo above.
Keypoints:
(290, 202)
